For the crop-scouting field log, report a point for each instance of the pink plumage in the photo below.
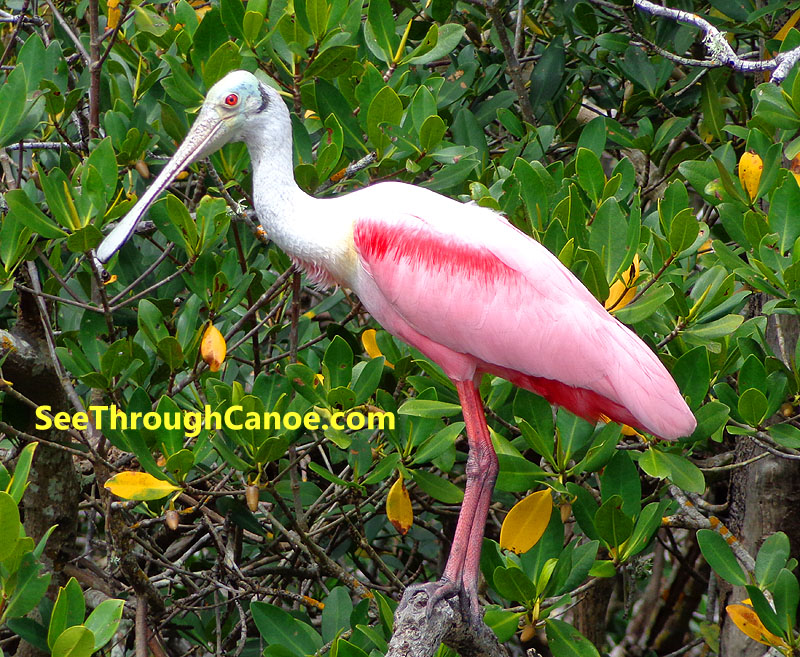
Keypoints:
(477, 295)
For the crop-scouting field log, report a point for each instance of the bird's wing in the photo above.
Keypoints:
(463, 278)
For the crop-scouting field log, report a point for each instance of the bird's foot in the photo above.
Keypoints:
(445, 589)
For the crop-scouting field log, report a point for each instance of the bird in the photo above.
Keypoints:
(454, 280)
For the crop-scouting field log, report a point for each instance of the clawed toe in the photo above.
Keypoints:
(444, 589)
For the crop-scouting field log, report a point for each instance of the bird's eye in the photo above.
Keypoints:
(231, 100)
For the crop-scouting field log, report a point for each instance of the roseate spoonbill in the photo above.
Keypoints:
(454, 280)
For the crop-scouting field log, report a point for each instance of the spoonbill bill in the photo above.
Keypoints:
(454, 280)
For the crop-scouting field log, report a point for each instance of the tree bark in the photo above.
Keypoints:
(53, 491)
(764, 497)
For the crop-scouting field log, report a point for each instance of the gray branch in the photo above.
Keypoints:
(418, 633)
(719, 50)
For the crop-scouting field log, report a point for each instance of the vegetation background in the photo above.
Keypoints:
(572, 119)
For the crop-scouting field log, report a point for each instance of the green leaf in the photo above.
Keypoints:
(772, 107)
(786, 435)
(782, 208)
(222, 61)
(536, 442)
(29, 630)
(10, 525)
(338, 363)
(720, 557)
(331, 101)
(429, 408)
(753, 406)
(77, 641)
(565, 641)
(718, 328)
(332, 62)
(84, 239)
(713, 115)
(590, 173)
(646, 525)
(683, 230)
(503, 623)
(613, 526)
(513, 585)
(620, 478)
(379, 31)
(104, 621)
(437, 487)
(367, 379)
(336, 613)
(710, 418)
(692, 373)
(771, 558)
(30, 216)
(179, 463)
(277, 626)
(447, 38)
(604, 239)
(655, 463)
(313, 16)
(169, 350)
(438, 443)
(385, 108)
(68, 611)
(150, 22)
(651, 301)
(12, 100)
(30, 587)
(685, 474)
(786, 594)
(764, 610)
(431, 133)
(548, 75)
(517, 474)
(593, 276)
(19, 482)
(151, 322)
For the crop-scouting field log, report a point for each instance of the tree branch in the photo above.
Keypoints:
(718, 47)
(418, 633)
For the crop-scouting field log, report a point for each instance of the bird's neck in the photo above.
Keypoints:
(313, 232)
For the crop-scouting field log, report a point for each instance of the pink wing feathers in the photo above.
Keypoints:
(476, 295)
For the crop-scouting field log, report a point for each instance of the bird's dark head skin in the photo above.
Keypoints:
(232, 106)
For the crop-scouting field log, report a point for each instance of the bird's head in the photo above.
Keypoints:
(234, 105)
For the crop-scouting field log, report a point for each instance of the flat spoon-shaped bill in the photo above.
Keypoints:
(196, 145)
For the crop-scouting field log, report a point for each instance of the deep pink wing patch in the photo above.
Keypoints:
(502, 303)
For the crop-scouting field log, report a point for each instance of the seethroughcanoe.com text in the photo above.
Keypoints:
(192, 422)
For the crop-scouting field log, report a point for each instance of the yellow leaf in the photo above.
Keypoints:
(750, 167)
(398, 507)
(622, 291)
(371, 346)
(526, 522)
(201, 7)
(748, 622)
(788, 25)
(139, 486)
(630, 431)
(213, 348)
(114, 14)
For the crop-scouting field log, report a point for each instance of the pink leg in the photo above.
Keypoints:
(463, 565)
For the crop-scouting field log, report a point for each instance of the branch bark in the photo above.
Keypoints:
(418, 633)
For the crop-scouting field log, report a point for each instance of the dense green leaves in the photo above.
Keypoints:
(280, 462)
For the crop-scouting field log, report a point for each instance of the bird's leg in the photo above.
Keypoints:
(463, 565)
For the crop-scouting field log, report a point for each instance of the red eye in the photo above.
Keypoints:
(231, 100)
